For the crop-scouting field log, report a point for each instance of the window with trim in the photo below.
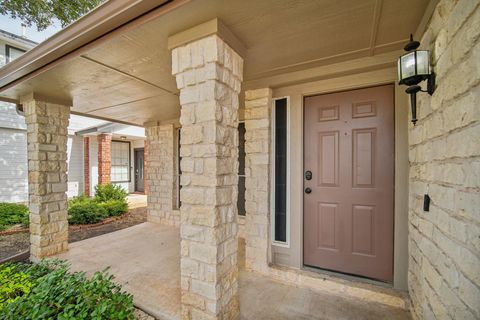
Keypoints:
(280, 169)
(120, 165)
(13, 53)
(241, 169)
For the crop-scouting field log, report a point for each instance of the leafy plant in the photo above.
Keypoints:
(106, 192)
(42, 12)
(12, 213)
(114, 207)
(13, 284)
(86, 212)
(56, 293)
(79, 199)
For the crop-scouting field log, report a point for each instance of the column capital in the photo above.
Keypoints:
(204, 30)
(33, 96)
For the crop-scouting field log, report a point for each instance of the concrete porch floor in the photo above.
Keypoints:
(145, 259)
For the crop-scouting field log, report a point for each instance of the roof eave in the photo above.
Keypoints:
(89, 29)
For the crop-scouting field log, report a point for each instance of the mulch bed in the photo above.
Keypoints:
(15, 241)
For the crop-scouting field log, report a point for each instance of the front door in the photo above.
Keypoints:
(348, 197)
(139, 179)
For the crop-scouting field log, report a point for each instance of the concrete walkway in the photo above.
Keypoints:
(136, 200)
(146, 260)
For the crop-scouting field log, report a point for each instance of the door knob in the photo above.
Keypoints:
(308, 190)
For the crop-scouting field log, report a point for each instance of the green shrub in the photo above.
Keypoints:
(105, 192)
(114, 207)
(86, 212)
(56, 293)
(79, 199)
(12, 213)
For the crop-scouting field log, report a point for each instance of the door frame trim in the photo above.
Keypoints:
(285, 244)
(134, 167)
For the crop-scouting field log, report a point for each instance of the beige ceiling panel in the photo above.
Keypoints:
(159, 108)
(399, 19)
(128, 77)
(141, 53)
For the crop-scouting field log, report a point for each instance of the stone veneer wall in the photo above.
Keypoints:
(104, 158)
(160, 175)
(47, 176)
(444, 243)
(258, 105)
(209, 74)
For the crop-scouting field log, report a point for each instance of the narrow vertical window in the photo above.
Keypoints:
(179, 170)
(241, 169)
(280, 158)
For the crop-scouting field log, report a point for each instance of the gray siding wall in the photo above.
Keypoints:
(13, 165)
(75, 165)
(93, 146)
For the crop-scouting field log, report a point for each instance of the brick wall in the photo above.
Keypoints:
(86, 166)
(104, 158)
(444, 243)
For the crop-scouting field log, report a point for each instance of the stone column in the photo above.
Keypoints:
(86, 166)
(160, 175)
(104, 158)
(47, 176)
(258, 105)
(209, 75)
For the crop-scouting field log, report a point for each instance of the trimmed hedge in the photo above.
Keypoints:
(48, 290)
(106, 192)
(109, 201)
(12, 214)
(114, 208)
(86, 212)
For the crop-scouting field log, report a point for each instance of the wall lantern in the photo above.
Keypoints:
(413, 68)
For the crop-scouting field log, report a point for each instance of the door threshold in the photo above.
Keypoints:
(332, 282)
(348, 277)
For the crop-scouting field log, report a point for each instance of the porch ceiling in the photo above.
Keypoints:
(128, 77)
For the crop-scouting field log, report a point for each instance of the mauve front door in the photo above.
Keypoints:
(348, 200)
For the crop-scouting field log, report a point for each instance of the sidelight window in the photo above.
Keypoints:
(280, 162)
(241, 169)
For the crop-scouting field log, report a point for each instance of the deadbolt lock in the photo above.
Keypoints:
(308, 175)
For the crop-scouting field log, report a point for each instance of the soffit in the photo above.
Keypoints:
(128, 78)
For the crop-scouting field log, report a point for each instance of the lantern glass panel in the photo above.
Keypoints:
(423, 63)
(407, 65)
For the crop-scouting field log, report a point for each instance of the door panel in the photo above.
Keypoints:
(328, 155)
(348, 216)
(326, 225)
